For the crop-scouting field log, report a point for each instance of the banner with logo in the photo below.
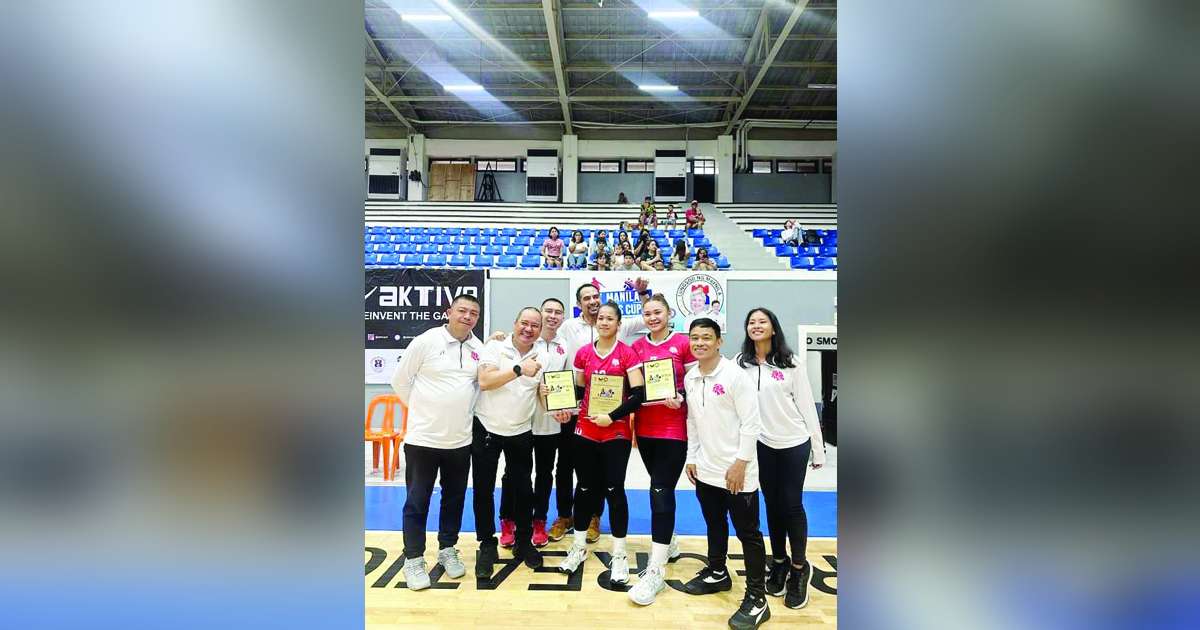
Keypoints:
(403, 303)
(692, 294)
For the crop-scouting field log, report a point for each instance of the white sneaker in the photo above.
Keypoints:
(619, 569)
(651, 583)
(415, 575)
(673, 548)
(575, 557)
(451, 562)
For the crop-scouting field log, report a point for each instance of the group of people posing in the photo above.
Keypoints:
(623, 255)
(649, 215)
(733, 426)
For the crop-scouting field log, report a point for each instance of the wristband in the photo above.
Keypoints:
(517, 370)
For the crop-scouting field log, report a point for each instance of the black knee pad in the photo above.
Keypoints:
(662, 499)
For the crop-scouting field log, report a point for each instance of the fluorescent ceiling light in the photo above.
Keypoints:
(673, 14)
(658, 88)
(462, 87)
(822, 86)
(425, 17)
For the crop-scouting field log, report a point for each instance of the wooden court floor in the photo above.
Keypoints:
(517, 597)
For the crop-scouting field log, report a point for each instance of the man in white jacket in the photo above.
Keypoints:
(723, 427)
(437, 380)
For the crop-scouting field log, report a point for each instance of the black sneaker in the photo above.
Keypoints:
(529, 555)
(708, 582)
(484, 561)
(777, 577)
(752, 614)
(797, 587)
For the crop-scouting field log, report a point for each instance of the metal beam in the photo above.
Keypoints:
(388, 102)
(556, 57)
(383, 60)
(501, 66)
(604, 37)
(591, 6)
(766, 66)
(759, 28)
(550, 99)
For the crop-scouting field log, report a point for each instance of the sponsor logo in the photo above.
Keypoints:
(427, 295)
(474, 356)
(777, 375)
(616, 362)
(560, 350)
(696, 294)
(377, 364)
(673, 350)
(718, 389)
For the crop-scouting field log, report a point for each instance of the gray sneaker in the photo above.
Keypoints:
(673, 548)
(415, 574)
(648, 587)
(448, 558)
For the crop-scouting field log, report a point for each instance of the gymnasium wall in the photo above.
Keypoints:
(511, 185)
(782, 188)
(604, 187)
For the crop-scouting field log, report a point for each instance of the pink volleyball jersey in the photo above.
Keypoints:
(617, 362)
(659, 421)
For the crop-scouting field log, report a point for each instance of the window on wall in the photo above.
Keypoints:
(639, 166)
(760, 166)
(599, 166)
(827, 165)
(522, 165)
(805, 166)
(451, 161)
(500, 165)
(704, 167)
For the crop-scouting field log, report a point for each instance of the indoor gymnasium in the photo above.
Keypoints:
(554, 184)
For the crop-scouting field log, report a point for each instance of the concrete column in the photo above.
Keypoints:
(724, 169)
(417, 162)
(833, 180)
(570, 169)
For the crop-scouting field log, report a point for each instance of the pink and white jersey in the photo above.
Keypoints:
(619, 361)
(659, 421)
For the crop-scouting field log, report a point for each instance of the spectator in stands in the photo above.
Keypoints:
(627, 264)
(790, 235)
(670, 217)
(703, 262)
(626, 250)
(621, 198)
(623, 239)
(650, 256)
(552, 250)
(600, 243)
(694, 216)
(644, 241)
(577, 251)
(601, 262)
(679, 259)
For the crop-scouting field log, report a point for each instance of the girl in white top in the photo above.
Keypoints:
(791, 433)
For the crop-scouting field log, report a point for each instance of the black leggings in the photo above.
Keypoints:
(781, 475)
(544, 447)
(664, 461)
(742, 509)
(601, 468)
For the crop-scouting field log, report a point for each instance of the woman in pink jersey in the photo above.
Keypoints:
(662, 443)
(602, 441)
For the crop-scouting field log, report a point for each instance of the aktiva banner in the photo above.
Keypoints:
(403, 303)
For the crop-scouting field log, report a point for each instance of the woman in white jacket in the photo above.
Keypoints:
(791, 433)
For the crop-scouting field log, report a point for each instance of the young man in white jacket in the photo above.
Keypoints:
(723, 427)
(437, 380)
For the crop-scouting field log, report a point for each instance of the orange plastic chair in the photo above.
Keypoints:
(385, 437)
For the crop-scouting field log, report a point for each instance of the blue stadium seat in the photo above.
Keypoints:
(459, 261)
(488, 231)
(377, 238)
(785, 250)
(460, 240)
(480, 240)
(405, 248)
(412, 260)
(830, 240)
(390, 260)
(435, 260)
(771, 241)
(506, 262)
(376, 229)
(471, 250)
(822, 233)
(657, 233)
(482, 261)
(368, 259)
(825, 263)
(829, 251)
(695, 232)
(514, 250)
(528, 232)
(809, 250)
(759, 232)
(544, 232)
(491, 250)
(454, 231)
(502, 240)
(450, 249)
(532, 261)
(508, 231)
(435, 231)
(723, 262)
(441, 239)
(399, 238)
(428, 248)
(471, 231)
(775, 232)
(713, 252)
(701, 242)
(368, 248)
(395, 230)
(803, 262)
(419, 239)
(674, 234)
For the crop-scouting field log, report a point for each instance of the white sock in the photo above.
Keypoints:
(618, 546)
(581, 537)
(658, 555)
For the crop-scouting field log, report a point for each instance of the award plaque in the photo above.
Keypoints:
(606, 393)
(660, 380)
(562, 390)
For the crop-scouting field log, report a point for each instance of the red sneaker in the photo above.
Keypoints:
(508, 533)
(539, 538)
